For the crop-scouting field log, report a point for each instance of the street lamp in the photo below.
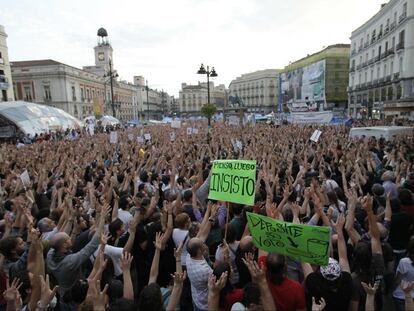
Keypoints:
(210, 73)
(111, 76)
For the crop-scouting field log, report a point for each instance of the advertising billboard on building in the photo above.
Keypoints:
(304, 88)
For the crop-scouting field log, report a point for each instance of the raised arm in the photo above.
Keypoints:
(343, 258)
(156, 259)
(125, 263)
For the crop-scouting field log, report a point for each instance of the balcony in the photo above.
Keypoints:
(366, 44)
(381, 80)
(386, 30)
(371, 61)
(369, 84)
(352, 69)
(402, 17)
(364, 64)
(358, 66)
(396, 76)
(353, 52)
(375, 82)
(373, 39)
(360, 48)
(388, 78)
(400, 46)
(391, 51)
(377, 58)
(383, 55)
(380, 35)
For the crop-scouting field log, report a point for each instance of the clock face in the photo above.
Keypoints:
(101, 56)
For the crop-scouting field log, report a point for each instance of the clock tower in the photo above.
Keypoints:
(103, 51)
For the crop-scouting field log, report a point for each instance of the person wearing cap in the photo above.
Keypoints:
(332, 282)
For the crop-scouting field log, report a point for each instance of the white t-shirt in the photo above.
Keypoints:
(198, 272)
(178, 236)
(406, 270)
(112, 252)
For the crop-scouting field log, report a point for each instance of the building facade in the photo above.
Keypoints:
(193, 97)
(85, 92)
(381, 78)
(317, 82)
(258, 91)
(6, 85)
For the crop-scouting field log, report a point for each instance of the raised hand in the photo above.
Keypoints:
(318, 306)
(125, 261)
(47, 294)
(179, 278)
(158, 241)
(258, 275)
(214, 285)
(178, 251)
(370, 290)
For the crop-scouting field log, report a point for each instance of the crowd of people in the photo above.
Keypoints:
(87, 224)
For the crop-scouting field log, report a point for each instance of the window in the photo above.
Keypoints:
(388, 22)
(27, 93)
(386, 46)
(366, 77)
(401, 65)
(1, 59)
(405, 8)
(378, 72)
(73, 94)
(395, 17)
(88, 97)
(385, 70)
(379, 50)
(391, 68)
(401, 37)
(82, 95)
(372, 74)
(47, 96)
(393, 43)
(366, 56)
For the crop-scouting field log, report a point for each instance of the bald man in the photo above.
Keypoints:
(246, 245)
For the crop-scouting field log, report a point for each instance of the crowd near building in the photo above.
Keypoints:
(257, 91)
(371, 78)
(381, 73)
(5, 72)
(93, 90)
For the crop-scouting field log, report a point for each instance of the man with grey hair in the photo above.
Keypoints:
(47, 228)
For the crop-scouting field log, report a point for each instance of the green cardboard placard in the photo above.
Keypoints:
(306, 243)
(233, 181)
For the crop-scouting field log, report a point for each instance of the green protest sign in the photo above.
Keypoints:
(306, 243)
(233, 181)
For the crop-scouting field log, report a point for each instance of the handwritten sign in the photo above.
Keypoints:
(113, 137)
(140, 140)
(195, 131)
(306, 243)
(315, 136)
(233, 181)
(234, 120)
(147, 136)
(172, 136)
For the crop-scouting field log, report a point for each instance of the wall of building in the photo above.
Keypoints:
(6, 85)
(382, 64)
(258, 91)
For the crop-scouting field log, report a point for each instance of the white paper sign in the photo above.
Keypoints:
(189, 130)
(172, 136)
(147, 136)
(176, 124)
(315, 136)
(140, 139)
(113, 137)
(130, 137)
(25, 178)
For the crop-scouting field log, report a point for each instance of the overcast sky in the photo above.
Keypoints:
(166, 40)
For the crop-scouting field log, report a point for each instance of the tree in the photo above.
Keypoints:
(208, 110)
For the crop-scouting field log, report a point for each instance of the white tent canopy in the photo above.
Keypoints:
(33, 118)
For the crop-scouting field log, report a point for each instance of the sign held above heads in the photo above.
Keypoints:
(306, 243)
(189, 130)
(315, 136)
(147, 136)
(233, 181)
